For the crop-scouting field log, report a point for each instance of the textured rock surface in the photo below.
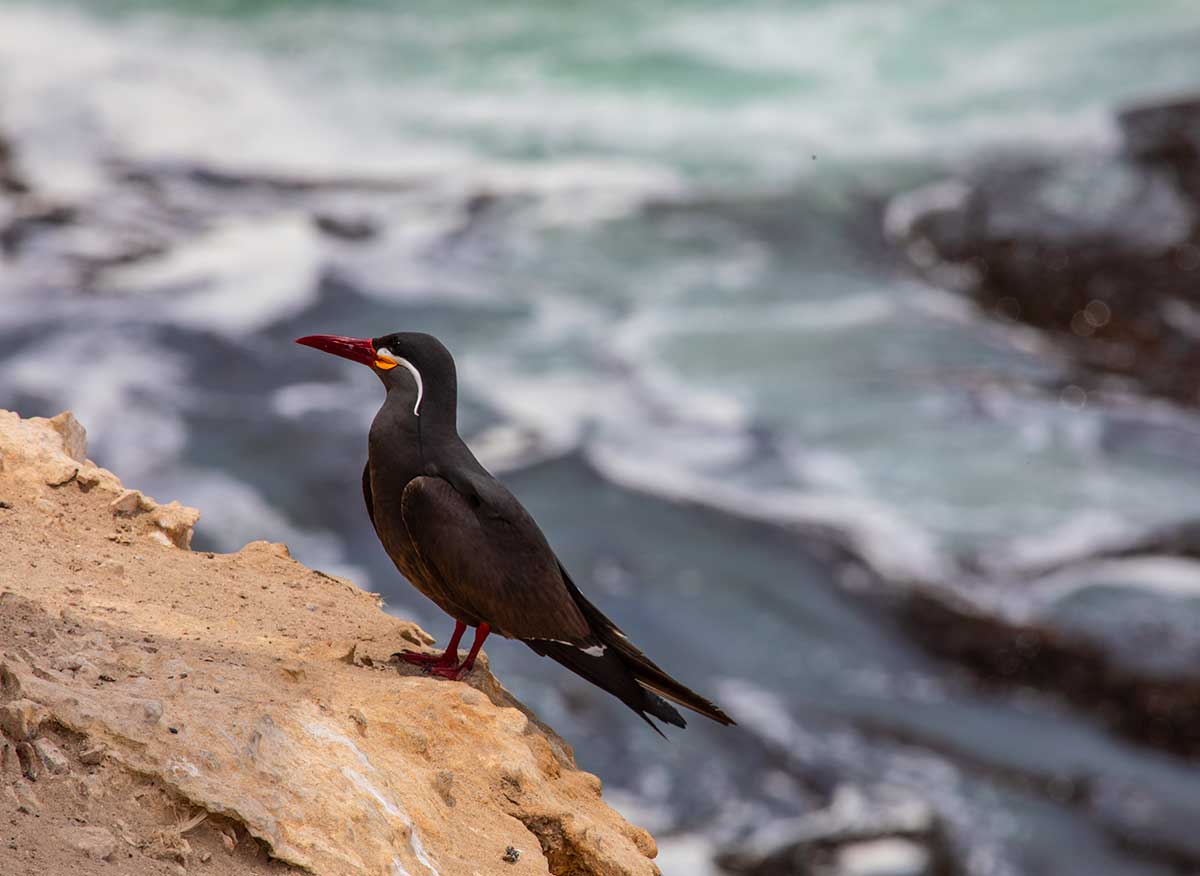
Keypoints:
(209, 677)
(1101, 252)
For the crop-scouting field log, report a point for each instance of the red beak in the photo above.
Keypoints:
(358, 349)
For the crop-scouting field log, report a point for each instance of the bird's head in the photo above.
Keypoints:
(413, 364)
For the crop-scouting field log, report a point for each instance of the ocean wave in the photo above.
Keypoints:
(124, 391)
(243, 510)
(238, 278)
(878, 535)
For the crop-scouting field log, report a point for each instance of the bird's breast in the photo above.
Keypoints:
(387, 490)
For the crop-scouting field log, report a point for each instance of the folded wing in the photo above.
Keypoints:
(495, 563)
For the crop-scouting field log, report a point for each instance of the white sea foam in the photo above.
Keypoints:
(203, 95)
(300, 399)
(1079, 535)
(763, 713)
(688, 853)
(238, 278)
(650, 328)
(1169, 576)
(884, 540)
(238, 512)
(904, 209)
(122, 388)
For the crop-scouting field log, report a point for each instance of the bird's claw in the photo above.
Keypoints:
(416, 658)
(454, 673)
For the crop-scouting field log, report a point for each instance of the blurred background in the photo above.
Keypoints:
(846, 350)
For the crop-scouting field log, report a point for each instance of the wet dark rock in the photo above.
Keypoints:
(883, 831)
(279, 183)
(1142, 629)
(28, 218)
(1101, 252)
(350, 228)
(1158, 710)
(1163, 132)
(11, 181)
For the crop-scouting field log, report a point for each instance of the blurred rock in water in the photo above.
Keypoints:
(1078, 655)
(1101, 251)
(876, 832)
(1163, 132)
(10, 178)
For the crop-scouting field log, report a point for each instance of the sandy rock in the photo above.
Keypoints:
(27, 757)
(74, 436)
(51, 756)
(95, 842)
(10, 769)
(151, 711)
(443, 783)
(27, 800)
(52, 453)
(21, 719)
(10, 685)
(176, 522)
(67, 663)
(338, 766)
(127, 503)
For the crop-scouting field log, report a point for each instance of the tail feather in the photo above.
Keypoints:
(608, 671)
(645, 671)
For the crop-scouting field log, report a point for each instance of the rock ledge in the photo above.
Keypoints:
(148, 692)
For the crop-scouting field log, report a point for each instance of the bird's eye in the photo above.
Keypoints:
(385, 359)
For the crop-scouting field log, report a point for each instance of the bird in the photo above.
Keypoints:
(459, 536)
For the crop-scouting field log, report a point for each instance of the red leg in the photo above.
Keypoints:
(449, 657)
(457, 672)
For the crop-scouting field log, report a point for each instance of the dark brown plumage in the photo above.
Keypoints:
(462, 539)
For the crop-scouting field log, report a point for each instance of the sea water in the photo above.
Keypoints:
(652, 236)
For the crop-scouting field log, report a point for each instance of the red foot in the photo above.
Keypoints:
(418, 659)
(449, 657)
(454, 673)
(446, 665)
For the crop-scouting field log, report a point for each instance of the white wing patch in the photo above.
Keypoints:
(412, 369)
(591, 650)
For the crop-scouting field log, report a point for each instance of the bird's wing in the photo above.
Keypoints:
(491, 558)
(367, 496)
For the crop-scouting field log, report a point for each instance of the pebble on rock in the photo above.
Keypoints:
(28, 760)
(95, 842)
(21, 719)
(152, 711)
(51, 756)
(126, 503)
(10, 685)
(27, 801)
